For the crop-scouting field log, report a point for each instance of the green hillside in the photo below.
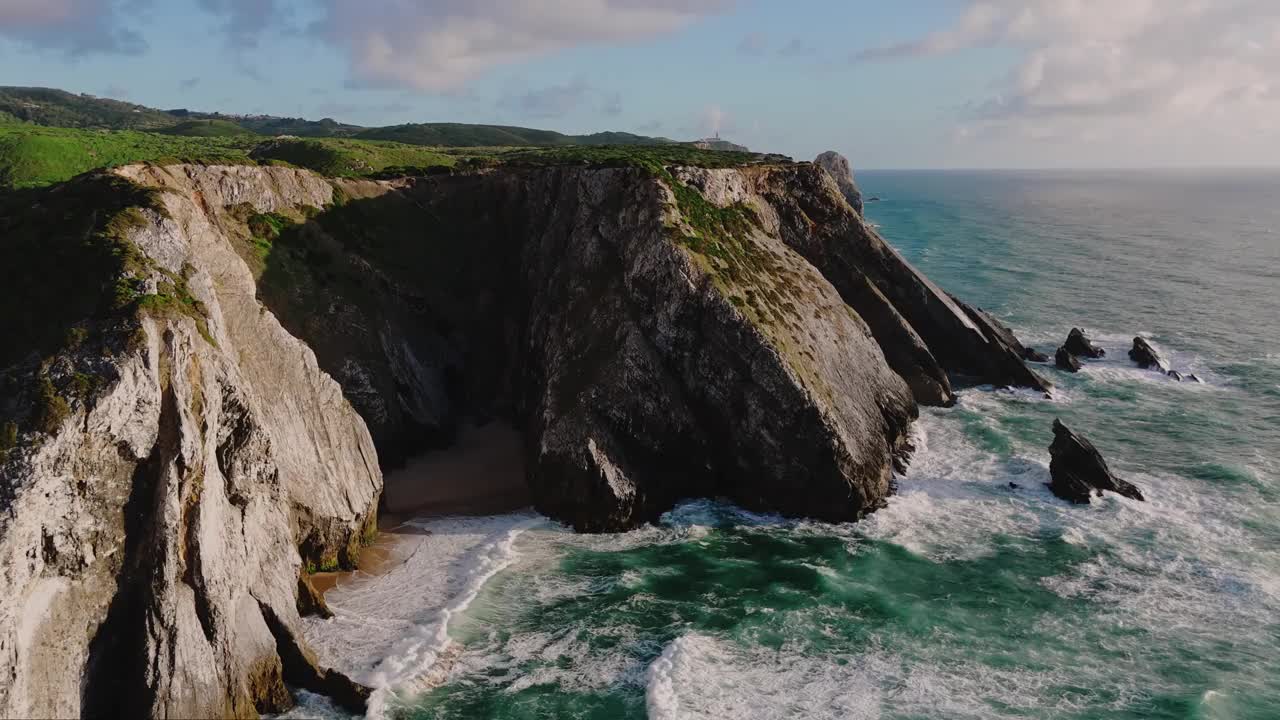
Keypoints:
(57, 108)
(466, 135)
(206, 128)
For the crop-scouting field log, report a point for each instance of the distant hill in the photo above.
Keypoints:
(58, 108)
(271, 125)
(465, 135)
(206, 128)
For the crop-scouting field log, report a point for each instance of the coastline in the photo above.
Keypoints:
(482, 474)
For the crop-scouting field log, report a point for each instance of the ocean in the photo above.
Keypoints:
(967, 597)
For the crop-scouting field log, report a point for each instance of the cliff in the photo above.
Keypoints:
(178, 459)
(212, 362)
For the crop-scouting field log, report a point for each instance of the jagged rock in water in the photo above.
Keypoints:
(838, 167)
(1174, 374)
(195, 459)
(1078, 470)
(1032, 355)
(1145, 355)
(1064, 360)
(1078, 344)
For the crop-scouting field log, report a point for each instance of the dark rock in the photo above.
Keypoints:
(903, 349)
(1033, 355)
(1078, 344)
(838, 167)
(1014, 486)
(1175, 375)
(1064, 360)
(310, 600)
(1078, 470)
(1145, 356)
(848, 252)
(301, 669)
(1195, 378)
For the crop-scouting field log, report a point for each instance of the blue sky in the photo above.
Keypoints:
(915, 83)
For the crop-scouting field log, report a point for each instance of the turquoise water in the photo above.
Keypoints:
(966, 597)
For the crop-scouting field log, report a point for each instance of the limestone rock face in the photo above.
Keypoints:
(147, 534)
(1078, 470)
(838, 167)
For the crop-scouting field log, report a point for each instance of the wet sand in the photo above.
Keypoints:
(483, 474)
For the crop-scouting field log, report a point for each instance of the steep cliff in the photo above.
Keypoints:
(177, 458)
(202, 349)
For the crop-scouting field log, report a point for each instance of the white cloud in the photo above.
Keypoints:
(443, 44)
(1175, 73)
(77, 27)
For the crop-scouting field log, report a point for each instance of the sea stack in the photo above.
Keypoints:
(1078, 470)
(1080, 345)
(1064, 360)
(1145, 356)
(837, 166)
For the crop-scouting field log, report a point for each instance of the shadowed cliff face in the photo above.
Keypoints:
(180, 451)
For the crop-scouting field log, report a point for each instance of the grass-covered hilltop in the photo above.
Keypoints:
(49, 136)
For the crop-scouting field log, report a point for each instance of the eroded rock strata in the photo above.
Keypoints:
(204, 423)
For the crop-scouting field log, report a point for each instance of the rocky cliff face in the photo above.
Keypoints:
(837, 166)
(160, 505)
(657, 333)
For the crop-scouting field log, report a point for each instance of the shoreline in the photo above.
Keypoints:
(482, 474)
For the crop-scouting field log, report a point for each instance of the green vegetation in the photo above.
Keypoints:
(350, 158)
(654, 158)
(33, 156)
(64, 249)
(474, 136)
(57, 108)
(51, 408)
(206, 128)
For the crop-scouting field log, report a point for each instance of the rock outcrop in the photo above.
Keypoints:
(1080, 345)
(1078, 470)
(1064, 360)
(797, 202)
(177, 462)
(193, 438)
(1145, 356)
(837, 166)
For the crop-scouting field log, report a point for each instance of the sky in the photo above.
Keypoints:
(889, 83)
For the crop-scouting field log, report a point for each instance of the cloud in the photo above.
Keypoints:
(189, 83)
(559, 100)
(74, 27)
(549, 102)
(1098, 69)
(245, 19)
(797, 47)
(755, 44)
(444, 44)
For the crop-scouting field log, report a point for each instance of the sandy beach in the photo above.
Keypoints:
(483, 474)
